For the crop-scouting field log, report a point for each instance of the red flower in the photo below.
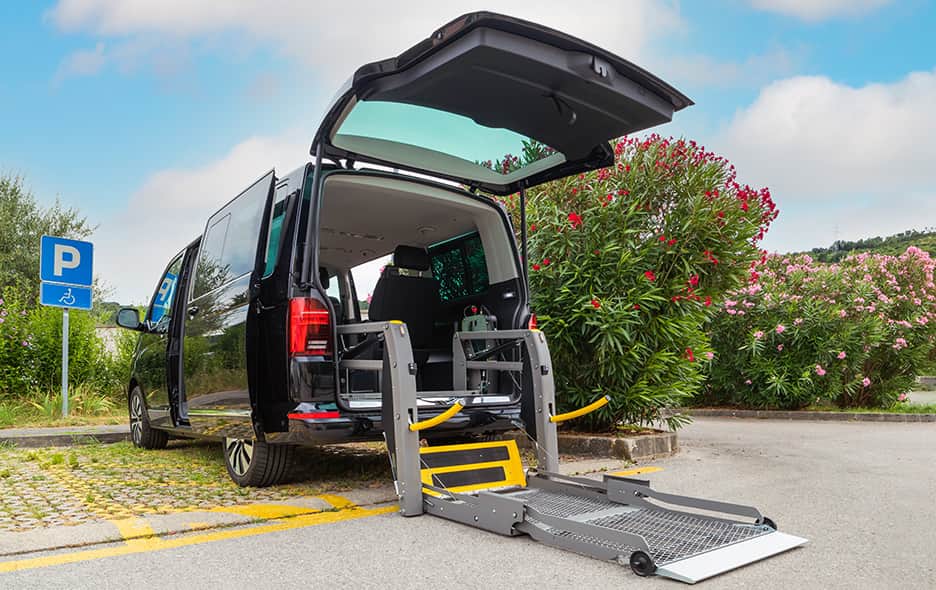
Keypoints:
(597, 252)
(662, 238)
(532, 227)
(721, 214)
(636, 306)
(694, 281)
(708, 302)
(575, 219)
(627, 168)
(536, 267)
(546, 262)
(595, 303)
(672, 242)
(650, 276)
(689, 355)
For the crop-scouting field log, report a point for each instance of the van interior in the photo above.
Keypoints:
(454, 267)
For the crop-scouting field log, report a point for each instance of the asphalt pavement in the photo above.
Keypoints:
(862, 493)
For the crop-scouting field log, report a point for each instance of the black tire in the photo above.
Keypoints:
(641, 563)
(252, 463)
(142, 434)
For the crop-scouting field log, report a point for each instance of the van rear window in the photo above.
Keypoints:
(460, 267)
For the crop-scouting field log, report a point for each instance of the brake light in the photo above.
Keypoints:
(309, 328)
(532, 325)
(314, 415)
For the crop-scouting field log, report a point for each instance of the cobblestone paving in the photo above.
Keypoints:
(67, 486)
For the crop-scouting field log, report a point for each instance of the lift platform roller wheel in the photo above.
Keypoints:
(642, 564)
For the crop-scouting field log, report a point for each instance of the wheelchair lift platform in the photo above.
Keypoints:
(485, 486)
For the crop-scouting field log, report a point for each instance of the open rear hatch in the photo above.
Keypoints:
(485, 86)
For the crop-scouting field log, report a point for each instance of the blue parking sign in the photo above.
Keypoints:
(163, 300)
(68, 297)
(69, 262)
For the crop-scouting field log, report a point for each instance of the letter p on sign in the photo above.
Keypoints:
(66, 262)
(65, 257)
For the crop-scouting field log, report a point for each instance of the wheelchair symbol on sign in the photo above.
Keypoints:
(67, 298)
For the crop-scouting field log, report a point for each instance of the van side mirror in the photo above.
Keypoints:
(129, 317)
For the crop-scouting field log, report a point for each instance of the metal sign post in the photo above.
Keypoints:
(66, 273)
(65, 363)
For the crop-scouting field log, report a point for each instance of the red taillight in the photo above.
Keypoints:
(532, 325)
(314, 416)
(309, 329)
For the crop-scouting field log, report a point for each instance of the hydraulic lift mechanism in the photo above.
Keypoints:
(484, 485)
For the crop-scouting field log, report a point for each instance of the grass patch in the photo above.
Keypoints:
(86, 408)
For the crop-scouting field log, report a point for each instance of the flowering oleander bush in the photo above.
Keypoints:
(853, 333)
(625, 264)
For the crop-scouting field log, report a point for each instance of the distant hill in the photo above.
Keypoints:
(893, 245)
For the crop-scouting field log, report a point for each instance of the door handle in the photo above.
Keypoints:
(193, 311)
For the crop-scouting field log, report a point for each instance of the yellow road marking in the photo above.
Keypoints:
(266, 511)
(637, 471)
(136, 532)
(346, 511)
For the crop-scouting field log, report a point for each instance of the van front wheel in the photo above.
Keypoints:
(141, 433)
(252, 463)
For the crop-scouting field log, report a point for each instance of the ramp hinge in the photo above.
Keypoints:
(544, 369)
(412, 368)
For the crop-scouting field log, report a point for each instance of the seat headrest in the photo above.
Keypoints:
(411, 257)
(323, 277)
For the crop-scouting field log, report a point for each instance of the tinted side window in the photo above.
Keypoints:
(460, 267)
(161, 309)
(230, 243)
(211, 272)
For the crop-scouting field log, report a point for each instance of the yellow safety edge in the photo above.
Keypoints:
(435, 421)
(581, 411)
(512, 466)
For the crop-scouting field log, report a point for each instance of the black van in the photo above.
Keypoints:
(242, 340)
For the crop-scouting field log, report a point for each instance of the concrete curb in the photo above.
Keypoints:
(64, 436)
(631, 448)
(805, 415)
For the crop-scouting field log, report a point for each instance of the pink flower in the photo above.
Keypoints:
(780, 328)
(866, 382)
(902, 397)
(758, 335)
(747, 381)
(779, 348)
(841, 355)
(843, 313)
(797, 321)
(710, 355)
(820, 371)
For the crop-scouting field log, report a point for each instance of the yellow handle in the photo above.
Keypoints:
(417, 426)
(581, 411)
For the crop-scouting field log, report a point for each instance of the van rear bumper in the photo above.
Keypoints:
(354, 427)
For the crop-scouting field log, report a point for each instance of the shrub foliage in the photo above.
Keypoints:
(625, 263)
(854, 333)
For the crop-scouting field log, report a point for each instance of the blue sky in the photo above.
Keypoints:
(149, 114)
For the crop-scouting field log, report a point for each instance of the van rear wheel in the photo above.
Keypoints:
(142, 434)
(253, 463)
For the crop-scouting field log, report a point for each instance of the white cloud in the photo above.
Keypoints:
(812, 136)
(336, 38)
(819, 10)
(84, 62)
(702, 70)
(860, 159)
(171, 207)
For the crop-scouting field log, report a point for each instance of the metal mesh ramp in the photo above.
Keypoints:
(671, 535)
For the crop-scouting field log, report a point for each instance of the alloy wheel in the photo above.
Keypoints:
(239, 454)
(136, 419)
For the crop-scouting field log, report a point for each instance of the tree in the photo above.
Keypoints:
(22, 223)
